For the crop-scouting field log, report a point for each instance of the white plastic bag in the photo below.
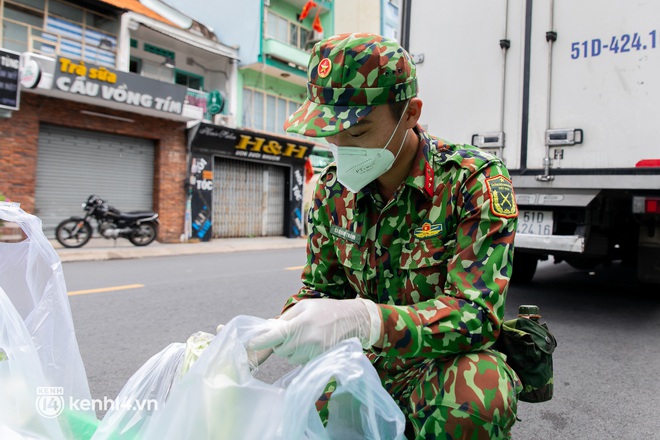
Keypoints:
(220, 399)
(142, 396)
(31, 276)
(23, 413)
(359, 408)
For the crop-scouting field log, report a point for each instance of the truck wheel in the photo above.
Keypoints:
(524, 267)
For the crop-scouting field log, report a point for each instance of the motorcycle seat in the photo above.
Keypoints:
(136, 215)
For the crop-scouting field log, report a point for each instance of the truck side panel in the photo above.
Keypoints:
(577, 95)
(461, 77)
(605, 80)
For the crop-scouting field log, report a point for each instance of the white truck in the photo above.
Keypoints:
(567, 93)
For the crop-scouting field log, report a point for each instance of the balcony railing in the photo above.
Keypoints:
(23, 37)
(286, 52)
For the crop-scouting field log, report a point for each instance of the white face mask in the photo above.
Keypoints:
(357, 166)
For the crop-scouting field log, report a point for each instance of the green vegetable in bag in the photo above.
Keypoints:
(195, 346)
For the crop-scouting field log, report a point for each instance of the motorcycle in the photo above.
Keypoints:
(139, 227)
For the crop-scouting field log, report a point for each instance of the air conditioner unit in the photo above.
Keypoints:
(314, 37)
(226, 120)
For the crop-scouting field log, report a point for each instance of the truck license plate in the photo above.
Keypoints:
(535, 222)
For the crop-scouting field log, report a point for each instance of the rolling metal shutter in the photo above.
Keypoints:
(74, 164)
(248, 199)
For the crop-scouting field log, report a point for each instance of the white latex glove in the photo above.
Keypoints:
(312, 326)
(255, 357)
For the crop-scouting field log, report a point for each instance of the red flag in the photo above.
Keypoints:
(305, 10)
(309, 170)
(316, 25)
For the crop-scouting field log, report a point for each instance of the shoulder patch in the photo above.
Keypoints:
(502, 199)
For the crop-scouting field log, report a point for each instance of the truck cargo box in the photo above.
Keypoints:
(567, 94)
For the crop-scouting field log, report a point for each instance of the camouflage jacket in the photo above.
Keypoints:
(436, 258)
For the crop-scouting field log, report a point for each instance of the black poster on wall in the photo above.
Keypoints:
(296, 223)
(10, 63)
(201, 193)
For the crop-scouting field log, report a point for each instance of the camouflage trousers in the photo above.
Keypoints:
(468, 396)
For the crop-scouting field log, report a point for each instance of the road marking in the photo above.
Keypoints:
(294, 268)
(106, 289)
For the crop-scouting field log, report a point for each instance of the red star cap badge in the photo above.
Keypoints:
(325, 66)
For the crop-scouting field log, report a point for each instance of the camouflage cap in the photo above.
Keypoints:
(347, 76)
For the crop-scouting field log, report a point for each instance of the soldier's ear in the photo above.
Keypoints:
(413, 112)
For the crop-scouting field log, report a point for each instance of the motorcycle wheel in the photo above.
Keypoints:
(73, 233)
(143, 234)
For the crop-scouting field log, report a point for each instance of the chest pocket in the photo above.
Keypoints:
(350, 255)
(420, 253)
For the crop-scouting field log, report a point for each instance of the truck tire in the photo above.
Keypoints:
(524, 267)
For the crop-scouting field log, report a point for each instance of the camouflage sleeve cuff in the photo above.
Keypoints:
(375, 321)
(435, 328)
(401, 332)
(303, 293)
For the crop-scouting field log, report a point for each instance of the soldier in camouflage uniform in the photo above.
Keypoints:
(415, 263)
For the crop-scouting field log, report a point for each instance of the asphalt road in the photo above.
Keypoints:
(606, 363)
(119, 330)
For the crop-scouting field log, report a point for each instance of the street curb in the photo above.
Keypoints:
(174, 249)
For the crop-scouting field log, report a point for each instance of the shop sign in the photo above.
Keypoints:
(10, 64)
(249, 145)
(85, 79)
(31, 74)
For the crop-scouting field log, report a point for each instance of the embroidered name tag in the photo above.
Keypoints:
(428, 230)
(347, 235)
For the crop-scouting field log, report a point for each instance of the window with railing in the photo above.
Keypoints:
(287, 31)
(54, 27)
(265, 111)
(190, 80)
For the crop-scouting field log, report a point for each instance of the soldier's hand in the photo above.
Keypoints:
(255, 357)
(313, 326)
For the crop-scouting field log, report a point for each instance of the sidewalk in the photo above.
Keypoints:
(102, 249)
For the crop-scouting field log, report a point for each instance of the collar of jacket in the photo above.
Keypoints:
(417, 177)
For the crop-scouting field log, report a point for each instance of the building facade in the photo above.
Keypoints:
(274, 39)
(113, 98)
(376, 16)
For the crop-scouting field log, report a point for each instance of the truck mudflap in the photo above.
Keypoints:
(550, 243)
